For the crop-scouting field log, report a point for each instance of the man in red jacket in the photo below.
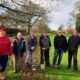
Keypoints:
(5, 52)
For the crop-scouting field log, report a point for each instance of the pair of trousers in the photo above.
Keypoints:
(31, 55)
(19, 62)
(57, 55)
(3, 63)
(73, 54)
(46, 56)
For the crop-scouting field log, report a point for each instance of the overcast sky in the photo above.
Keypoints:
(62, 16)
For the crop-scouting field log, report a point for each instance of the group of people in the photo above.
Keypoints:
(19, 48)
(61, 45)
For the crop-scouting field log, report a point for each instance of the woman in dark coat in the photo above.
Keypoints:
(45, 45)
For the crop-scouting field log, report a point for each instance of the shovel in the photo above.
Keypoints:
(43, 64)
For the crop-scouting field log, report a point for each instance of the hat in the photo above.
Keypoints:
(2, 29)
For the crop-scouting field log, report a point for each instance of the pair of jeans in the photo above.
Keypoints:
(57, 55)
(3, 63)
(31, 55)
(73, 54)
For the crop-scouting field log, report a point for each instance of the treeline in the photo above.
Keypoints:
(78, 22)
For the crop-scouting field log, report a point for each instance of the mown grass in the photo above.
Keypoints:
(50, 73)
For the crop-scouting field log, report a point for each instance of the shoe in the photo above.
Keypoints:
(76, 70)
(2, 77)
(57, 66)
(33, 68)
(29, 65)
(21, 71)
(54, 66)
(14, 71)
(47, 65)
(68, 67)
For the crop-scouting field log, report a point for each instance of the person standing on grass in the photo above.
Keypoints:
(60, 45)
(5, 51)
(73, 43)
(19, 48)
(31, 45)
(45, 45)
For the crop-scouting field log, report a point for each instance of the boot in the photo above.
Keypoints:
(2, 77)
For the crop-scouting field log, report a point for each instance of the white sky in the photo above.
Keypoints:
(62, 17)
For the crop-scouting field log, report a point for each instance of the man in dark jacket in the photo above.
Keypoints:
(18, 49)
(60, 45)
(73, 43)
(45, 45)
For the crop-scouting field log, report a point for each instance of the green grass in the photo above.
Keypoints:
(62, 74)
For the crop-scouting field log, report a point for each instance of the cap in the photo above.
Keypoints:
(2, 29)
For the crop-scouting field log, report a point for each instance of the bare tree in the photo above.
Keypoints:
(23, 12)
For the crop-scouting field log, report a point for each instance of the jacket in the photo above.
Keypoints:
(5, 46)
(16, 46)
(42, 44)
(73, 42)
(60, 42)
(32, 43)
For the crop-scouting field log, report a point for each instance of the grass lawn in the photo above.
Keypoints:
(62, 74)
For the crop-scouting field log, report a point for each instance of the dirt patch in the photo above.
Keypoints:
(28, 74)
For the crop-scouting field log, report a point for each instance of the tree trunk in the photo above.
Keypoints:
(29, 28)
